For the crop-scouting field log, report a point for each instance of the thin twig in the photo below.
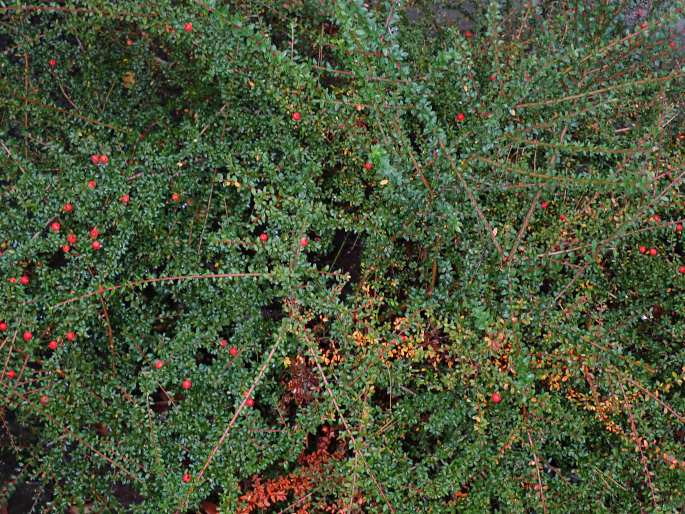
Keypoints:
(474, 202)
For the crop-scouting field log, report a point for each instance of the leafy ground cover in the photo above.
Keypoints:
(336, 257)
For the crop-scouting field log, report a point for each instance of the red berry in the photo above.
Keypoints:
(188, 27)
(652, 252)
(186, 384)
(249, 402)
(124, 198)
(493, 77)
(263, 237)
(544, 204)
(175, 197)
(68, 207)
(496, 397)
(53, 345)
(223, 343)
(66, 248)
(129, 42)
(296, 116)
(12, 280)
(186, 477)
(304, 242)
(643, 249)
(679, 227)
(94, 232)
(159, 363)
(460, 117)
(368, 166)
(91, 184)
(96, 245)
(104, 160)
(656, 218)
(562, 218)
(681, 269)
(52, 63)
(55, 226)
(27, 336)
(233, 351)
(44, 399)
(71, 336)
(673, 45)
(71, 238)
(24, 280)
(11, 374)
(3, 326)
(95, 159)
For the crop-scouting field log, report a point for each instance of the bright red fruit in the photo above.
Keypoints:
(53, 345)
(55, 226)
(104, 160)
(91, 184)
(159, 363)
(96, 245)
(681, 269)
(296, 116)
(188, 27)
(223, 343)
(94, 232)
(24, 280)
(11, 374)
(3, 326)
(186, 384)
(496, 397)
(249, 402)
(124, 198)
(66, 248)
(468, 34)
(263, 237)
(27, 336)
(643, 249)
(71, 238)
(368, 166)
(652, 252)
(673, 44)
(95, 159)
(71, 336)
(186, 477)
(679, 227)
(460, 117)
(175, 197)
(68, 207)
(544, 205)
(52, 63)
(493, 77)
(562, 218)
(233, 351)
(304, 242)
(44, 399)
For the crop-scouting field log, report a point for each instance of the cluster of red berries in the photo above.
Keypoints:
(99, 159)
(652, 251)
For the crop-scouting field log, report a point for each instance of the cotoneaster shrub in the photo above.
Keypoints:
(331, 257)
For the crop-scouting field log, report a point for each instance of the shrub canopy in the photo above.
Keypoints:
(331, 257)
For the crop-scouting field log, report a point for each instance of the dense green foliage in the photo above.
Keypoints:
(453, 218)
